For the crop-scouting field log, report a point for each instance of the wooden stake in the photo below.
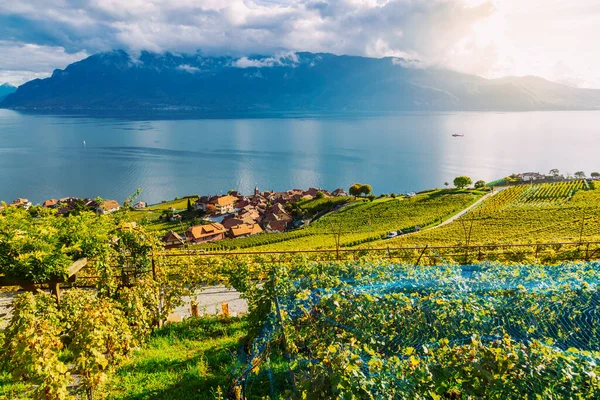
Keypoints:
(225, 309)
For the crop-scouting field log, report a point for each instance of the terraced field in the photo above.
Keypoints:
(549, 212)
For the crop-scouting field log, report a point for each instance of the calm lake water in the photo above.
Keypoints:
(45, 156)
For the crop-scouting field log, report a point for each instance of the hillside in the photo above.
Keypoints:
(299, 82)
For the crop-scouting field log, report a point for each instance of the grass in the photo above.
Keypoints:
(196, 358)
(150, 216)
(177, 204)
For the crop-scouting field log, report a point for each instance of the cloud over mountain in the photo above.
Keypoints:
(486, 37)
(414, 29)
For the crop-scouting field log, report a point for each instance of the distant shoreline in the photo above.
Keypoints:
(161, 114)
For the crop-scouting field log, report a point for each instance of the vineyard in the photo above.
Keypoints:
(360, 222)
(377, 330)
(336, 323)
(545, 194)
(549, 212)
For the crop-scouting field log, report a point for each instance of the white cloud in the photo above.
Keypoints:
(288, 58)
(551, 38)
(23, 62)
(188, 68)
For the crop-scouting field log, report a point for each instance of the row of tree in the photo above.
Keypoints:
(463, 181)
(555, 173)
(359, 189)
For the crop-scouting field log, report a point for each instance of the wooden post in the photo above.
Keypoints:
(224, 309)
(480, 255)
(421, 255)
(55, 290)
(587, 252)
(389, 254)
(153, 269)
(194, 308)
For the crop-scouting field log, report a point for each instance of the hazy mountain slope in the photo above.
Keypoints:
(6, 89)
(297, 82)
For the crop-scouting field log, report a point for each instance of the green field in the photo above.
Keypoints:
(150, 216)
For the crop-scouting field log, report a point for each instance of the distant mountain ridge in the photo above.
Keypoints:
(302, 82)
(6, 89)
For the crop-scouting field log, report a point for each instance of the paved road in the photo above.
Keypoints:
(472, 206)
(460, 214)
(209, 302)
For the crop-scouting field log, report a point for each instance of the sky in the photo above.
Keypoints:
(554, 39)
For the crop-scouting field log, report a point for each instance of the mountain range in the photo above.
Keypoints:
(293, 82)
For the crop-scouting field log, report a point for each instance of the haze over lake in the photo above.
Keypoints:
(45, 156)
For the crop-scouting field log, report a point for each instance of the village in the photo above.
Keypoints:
(232, 215)
(235, 215)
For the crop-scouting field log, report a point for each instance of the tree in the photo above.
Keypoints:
(462, 182)
(580, 175)
(371, 197)
(554, 172)
(366, 189)
(320, 195)
(355, 190)
(479, 184)
(595, 175)
(211, 209)
(446, 184)
(189, 205)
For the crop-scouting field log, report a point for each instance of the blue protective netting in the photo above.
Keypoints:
(398, 312)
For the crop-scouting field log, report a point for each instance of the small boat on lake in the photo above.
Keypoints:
(458, 135)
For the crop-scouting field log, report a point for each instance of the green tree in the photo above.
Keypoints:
(479, 184)
(554, 172)
(462, 182)
(446, 184)
(189, 205)
(366, 189)
(371, 197)
(595, 175)
(320, 195)
(580, 175)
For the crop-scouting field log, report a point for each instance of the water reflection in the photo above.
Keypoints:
(43, 156)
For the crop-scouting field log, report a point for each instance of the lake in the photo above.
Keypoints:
(45, 157)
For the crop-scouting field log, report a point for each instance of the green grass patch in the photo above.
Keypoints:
(196, 359)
